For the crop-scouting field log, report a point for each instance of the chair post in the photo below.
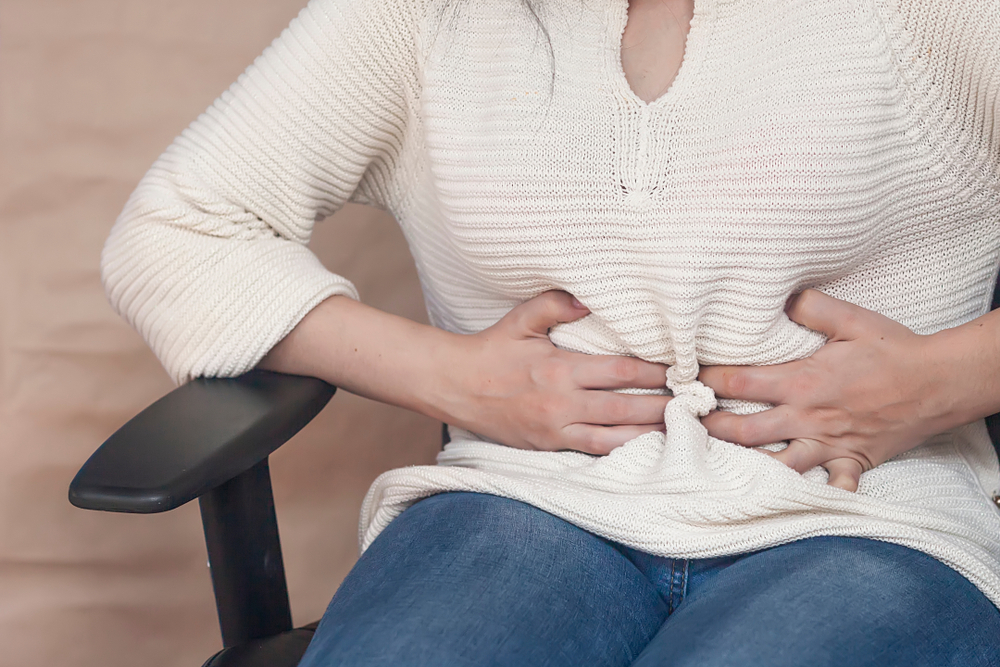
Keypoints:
(244, 554)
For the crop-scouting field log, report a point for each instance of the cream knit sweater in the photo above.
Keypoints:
(850, 145)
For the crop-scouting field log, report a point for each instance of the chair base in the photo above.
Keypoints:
(281, 650)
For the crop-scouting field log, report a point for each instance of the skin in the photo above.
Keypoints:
(507, 382)
(873, 391)
(653, 44)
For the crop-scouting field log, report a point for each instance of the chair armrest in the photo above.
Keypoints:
(195, 438)
(993, 426)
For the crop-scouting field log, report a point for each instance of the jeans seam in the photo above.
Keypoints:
(670, 589)
(684, 586)
(677, 583)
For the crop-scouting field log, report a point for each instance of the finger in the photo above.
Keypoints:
(602, 440)
(838, 320)
(845, 473)
(610, 372)
(767, 384)
(536, 316)
(803, 454)
(759, 428)
(606, 408)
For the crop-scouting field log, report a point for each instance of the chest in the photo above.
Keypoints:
(652, 44)
(787, 141)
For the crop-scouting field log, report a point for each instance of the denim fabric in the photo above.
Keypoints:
(468, 579)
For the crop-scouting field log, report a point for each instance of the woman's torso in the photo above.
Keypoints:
(849, 146)
(800, 145)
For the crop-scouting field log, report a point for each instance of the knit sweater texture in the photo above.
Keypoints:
(848, 145)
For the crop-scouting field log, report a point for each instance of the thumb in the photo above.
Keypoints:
(536, 316)
(836, 319)
(845, 473)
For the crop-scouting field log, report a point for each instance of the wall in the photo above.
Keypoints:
(91, 91)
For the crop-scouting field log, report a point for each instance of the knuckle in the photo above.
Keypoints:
(735, 383)
(547, 441)
(863, 460)
(597, 445)
(584, 442)
(802, 385)
(745, 432)
(833, 423)
(550, 372)
(547, 407)
(625, 369)
(617, 410)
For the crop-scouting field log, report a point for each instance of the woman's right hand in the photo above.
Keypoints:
(510, 384)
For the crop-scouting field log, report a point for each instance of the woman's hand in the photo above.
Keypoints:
(876, 389)
(511, 384)
(508, 382)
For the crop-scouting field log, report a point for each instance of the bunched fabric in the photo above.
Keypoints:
(849, 146)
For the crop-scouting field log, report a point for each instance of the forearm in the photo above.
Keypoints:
(508, 382)
(967, 361)
(370, 353)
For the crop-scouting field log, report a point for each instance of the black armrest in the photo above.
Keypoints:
(196, 438)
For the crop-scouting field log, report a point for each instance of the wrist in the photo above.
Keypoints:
(445, 370)
(962, 363)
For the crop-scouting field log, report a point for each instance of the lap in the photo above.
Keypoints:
(830, 601)
(469, 579)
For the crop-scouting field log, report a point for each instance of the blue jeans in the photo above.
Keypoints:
(468, 579)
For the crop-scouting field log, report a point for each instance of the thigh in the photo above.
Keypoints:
(470, 579)
(830, 601)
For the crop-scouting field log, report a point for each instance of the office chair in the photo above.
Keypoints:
(210, 440)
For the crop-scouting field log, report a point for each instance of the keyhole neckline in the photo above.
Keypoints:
(696, 40)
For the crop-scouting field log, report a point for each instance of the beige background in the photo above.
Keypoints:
(91, 91)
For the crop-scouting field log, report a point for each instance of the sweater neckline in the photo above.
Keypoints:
(695, 46)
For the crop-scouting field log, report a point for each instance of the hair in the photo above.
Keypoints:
(530, 6)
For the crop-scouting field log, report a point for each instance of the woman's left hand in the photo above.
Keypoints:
(874, 390)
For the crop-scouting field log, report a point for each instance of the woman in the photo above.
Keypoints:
(594, 223)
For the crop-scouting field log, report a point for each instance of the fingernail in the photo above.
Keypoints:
(577, 304)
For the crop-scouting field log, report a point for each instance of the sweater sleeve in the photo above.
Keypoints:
(208, 260)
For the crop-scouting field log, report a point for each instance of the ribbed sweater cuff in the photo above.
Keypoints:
(225, 309)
